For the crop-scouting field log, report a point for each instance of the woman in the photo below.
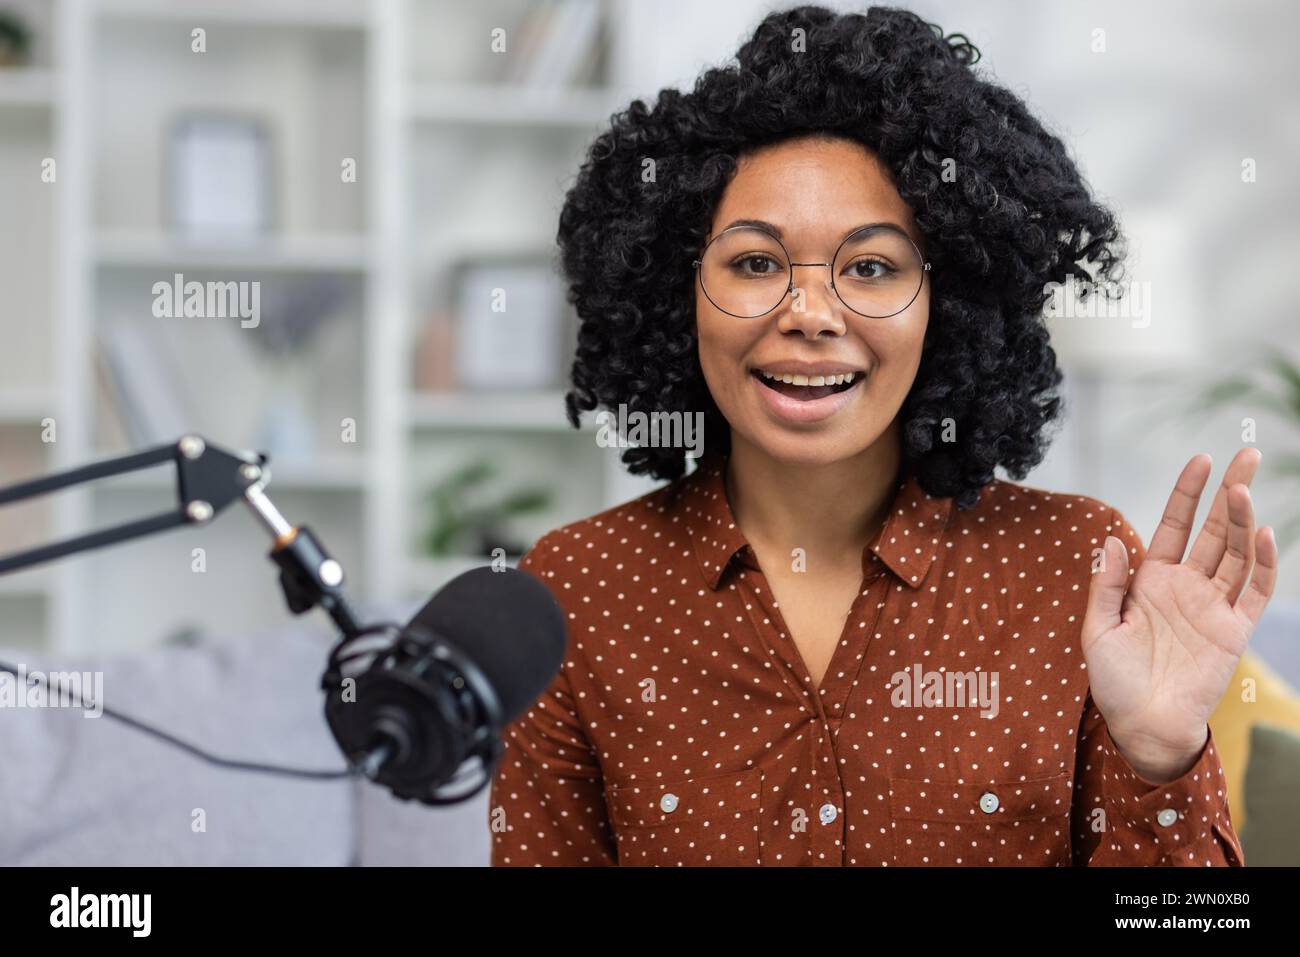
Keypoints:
(841, 640)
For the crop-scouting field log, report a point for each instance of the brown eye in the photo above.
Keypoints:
(760, 265)
(870, 269)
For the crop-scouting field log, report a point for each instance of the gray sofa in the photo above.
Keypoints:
(89, 791)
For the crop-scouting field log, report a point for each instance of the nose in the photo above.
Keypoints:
(813, 307)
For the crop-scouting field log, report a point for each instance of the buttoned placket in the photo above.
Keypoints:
(826, 818)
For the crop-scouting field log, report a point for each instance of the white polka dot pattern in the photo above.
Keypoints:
(684, 728)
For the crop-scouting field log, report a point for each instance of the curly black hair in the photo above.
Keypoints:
(1016, 216)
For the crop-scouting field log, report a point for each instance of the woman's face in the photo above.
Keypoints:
(815, 192)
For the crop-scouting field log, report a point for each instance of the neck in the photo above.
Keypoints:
(833, 511)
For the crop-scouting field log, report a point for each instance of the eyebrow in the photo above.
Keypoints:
(776, 230)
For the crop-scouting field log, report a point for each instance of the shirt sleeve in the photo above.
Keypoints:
(547, 803)
(1121, 819)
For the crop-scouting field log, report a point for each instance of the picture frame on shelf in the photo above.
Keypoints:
(509, 324)
(219, 178)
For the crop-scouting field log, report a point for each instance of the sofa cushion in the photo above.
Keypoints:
(1270, 837)
(90, 791)
(1254, 694)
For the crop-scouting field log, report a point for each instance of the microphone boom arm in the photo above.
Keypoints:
(208, 479)
(431, 703)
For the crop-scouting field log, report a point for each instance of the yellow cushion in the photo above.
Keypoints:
(1256, 693)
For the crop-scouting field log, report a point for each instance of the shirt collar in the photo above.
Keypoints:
(907, 544)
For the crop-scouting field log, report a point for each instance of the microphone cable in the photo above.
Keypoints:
(192, 749)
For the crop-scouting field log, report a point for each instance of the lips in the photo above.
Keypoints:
(798, 393)
(804, 387)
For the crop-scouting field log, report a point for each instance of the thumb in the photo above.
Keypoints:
(1107, 589)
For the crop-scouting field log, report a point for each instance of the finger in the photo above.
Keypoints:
(1234, 568)
(1170, 539)
(1255, 598)
(1107, 589)
(1207, 550)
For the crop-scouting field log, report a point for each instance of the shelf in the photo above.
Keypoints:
(343, 474)
(329, 475)
(26, 408)
(304, 13)
(29, 583)
(498, 411)
(27, 87)
(318, 253)
(424, 574)
(489, 104)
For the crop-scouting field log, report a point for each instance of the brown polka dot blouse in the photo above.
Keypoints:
(953, 725)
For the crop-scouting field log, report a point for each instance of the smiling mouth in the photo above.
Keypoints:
(807, 388)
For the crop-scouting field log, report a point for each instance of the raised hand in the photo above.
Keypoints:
(1162, 644)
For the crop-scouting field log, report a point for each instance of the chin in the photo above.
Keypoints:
(810, 449)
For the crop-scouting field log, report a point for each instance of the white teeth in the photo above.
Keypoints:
(790, 379)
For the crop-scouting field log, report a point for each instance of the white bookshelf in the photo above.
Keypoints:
(308, 253)
(34, 583)
(25, 407)
(452, 162)
(522, 411)
(350, 14)
(31, 87)
(508, 105)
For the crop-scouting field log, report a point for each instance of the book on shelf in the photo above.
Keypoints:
(150, 402)
(110, 428)
(556, 45)
(26, 523)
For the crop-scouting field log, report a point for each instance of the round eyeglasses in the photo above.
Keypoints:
(746, 272)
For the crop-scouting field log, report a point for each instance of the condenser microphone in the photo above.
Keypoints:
(410, 706)
(437, 695)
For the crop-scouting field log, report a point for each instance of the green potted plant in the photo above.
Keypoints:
(1268, 383)
(15, 40)
(466, 524)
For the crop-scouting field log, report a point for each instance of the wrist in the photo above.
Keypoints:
(1157, 762)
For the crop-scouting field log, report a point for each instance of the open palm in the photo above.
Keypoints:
(1162, 644)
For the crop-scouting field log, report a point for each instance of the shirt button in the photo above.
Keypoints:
(827, 813)
(1166, 817)
(989, 802)
(668, 803)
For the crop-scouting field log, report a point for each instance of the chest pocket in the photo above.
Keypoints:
(1010, 823)
(690, 822)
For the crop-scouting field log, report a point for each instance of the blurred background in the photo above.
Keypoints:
(380, 170)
